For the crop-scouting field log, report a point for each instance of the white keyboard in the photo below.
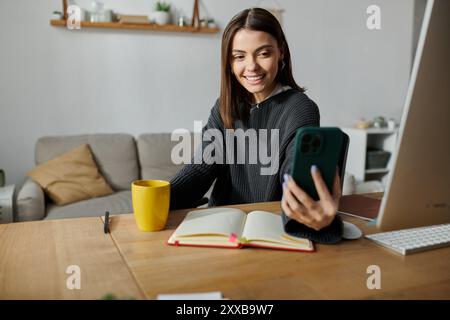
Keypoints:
(409, 241)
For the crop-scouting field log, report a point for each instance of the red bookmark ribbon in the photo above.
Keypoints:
(233, 237)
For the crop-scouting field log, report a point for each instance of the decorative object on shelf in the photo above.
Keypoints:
(379, 122)
(362, 124)
(57, 15)
(182, 21)
(106, 15)
(133, 19)
(2, 178)
(94, 13)
(195, 22)
(65, 6)
(207, 23)
(211, 23)
(161, 13)
(98, 12)
(274, 8)
(113, 20)
(201, 21)
(391, 124)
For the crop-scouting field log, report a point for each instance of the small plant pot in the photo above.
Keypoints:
(160, 17)
(56, 16)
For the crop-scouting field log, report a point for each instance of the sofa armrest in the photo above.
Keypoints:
(30, 202)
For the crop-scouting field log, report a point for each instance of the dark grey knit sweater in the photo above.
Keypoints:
(243, 183)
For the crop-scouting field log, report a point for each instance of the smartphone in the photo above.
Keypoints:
(324, 147)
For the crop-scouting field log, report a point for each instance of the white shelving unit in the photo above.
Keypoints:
(360, 140)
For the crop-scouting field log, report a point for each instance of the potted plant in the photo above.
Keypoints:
(57, 15)
(161, 13)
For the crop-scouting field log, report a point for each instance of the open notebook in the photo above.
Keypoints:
(233, 228)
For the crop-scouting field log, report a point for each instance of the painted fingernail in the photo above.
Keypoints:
(286, 177)
(284, 185)
(314, 168)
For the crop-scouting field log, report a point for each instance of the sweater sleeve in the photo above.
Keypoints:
(190, 183)
(306, 114)
(302, 113)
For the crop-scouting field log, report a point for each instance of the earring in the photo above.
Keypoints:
(282, 64)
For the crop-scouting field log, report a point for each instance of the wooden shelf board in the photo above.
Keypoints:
(381, 131)
(137, 26)
(373, 171)
(373, 130)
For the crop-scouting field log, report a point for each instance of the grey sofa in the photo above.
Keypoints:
(121, 159)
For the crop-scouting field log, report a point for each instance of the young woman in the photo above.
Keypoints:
(258, 92)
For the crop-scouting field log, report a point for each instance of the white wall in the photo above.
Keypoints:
(54, 81)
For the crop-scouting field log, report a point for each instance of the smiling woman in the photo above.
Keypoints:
(258, 93)
(255, 68)
(255, 54)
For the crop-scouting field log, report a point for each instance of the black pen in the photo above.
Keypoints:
(106, 226)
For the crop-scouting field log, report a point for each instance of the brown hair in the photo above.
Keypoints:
(231, 92)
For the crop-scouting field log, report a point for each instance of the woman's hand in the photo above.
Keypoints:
(298, 205)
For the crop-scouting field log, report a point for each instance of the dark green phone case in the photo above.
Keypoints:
(321, 146)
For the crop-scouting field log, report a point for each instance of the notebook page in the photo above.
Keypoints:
(219, 221)
(268, 227)
(261, 225)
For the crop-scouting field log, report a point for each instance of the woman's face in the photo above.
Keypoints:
(254, 61)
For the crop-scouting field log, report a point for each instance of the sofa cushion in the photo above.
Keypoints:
(70, 177)
(115, 155)
(155, 155)
(117, 203)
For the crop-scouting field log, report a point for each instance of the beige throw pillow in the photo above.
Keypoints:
(71, 177)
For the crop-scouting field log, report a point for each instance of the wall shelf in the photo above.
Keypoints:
(375, 171)
(137, 26)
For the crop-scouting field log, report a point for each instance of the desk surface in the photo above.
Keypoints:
(333, 271)
(34, 257)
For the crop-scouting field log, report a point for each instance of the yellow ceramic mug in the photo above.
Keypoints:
(151, 199)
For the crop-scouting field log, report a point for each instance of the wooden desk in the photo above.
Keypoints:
(333, 272)
(34, 257)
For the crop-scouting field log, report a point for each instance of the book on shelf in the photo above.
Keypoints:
(133, 19)
(233, 228)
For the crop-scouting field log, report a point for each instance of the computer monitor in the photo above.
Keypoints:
(418, 189)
